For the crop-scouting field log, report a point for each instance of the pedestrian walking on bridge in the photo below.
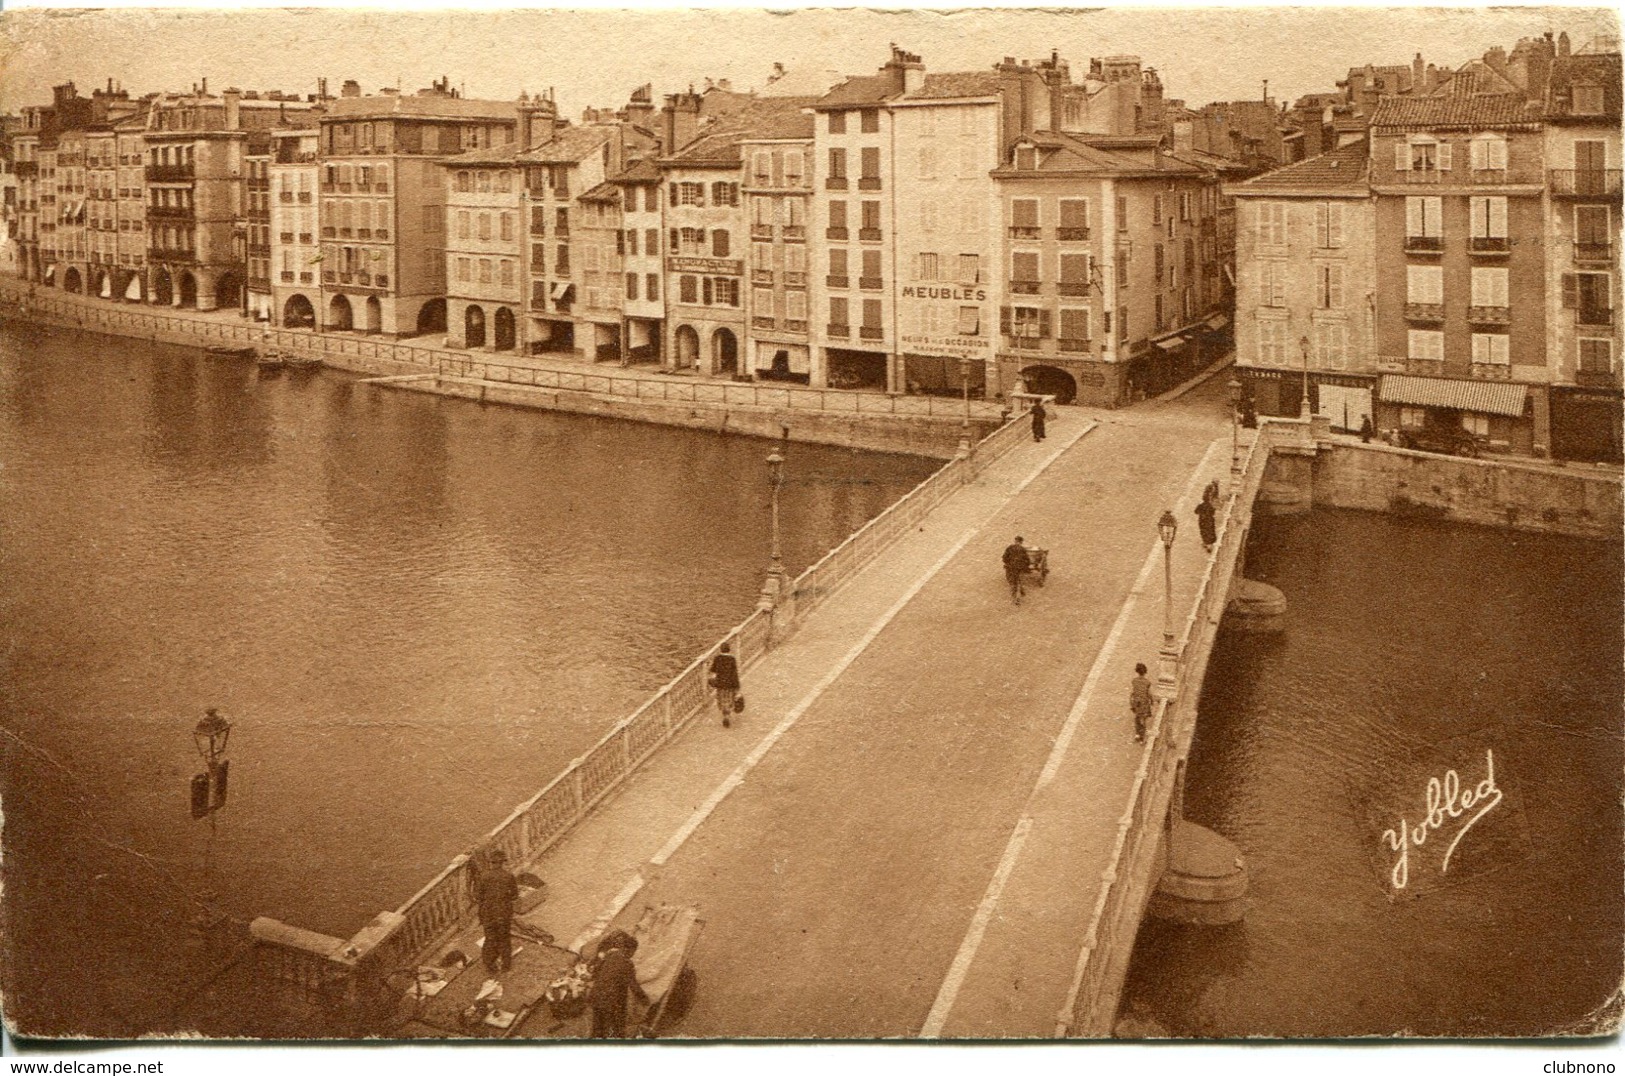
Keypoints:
(1039, 415)
(1139, 701)
(725, 682)
(1016, 563)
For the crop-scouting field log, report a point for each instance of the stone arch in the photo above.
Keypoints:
(1050, 381)
(432, 316)
(188, 288)
(339, 314)
(473, 326)
(131, 287)
(372, 315)
(687, 348)
(725, 352)
(504, 336)
(72, 280)
(228, 290)
(101, 283)
(298, 313)
(162, 291)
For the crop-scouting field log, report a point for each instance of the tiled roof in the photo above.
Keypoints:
(1345, 167)
(949, 84)
(1477, 110)
(765, 118)
(1064, 153)
(604, 192)
(1493, 397)
(640, 171)
(431, 107)
(859, 90)
(1603, 69)
(568, 146)
(495, 155)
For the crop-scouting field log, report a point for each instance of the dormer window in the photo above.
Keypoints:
(1027, 158)
(1587, 99)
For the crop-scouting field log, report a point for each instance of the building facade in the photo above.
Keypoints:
(777, 191)
(294, 174)
(484, 249)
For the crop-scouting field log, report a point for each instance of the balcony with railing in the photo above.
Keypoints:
(1424, 244)
(868, 183)
(1024, 287)
(871, 332)
(838, 331)
(795, 325)
(1596, 378)
(304, 197)
(1489, 315)
(795, 280)
(285, 197)
(168, 173)
(1430, 312)
(1072, 345)
(169, 212)
(838, 281)
(870, 283)
(1024, 231)
(869, 235)
(836, 233)
(1489, 245)
(305, 239)
(835, 183)
(795, 231)
(761, 276)
(1583, 182)
(286, 276)
(1594, 252)
(1072, 235)
(1490, 371)
(1593, 315)
(758, 321)
(1074, 288)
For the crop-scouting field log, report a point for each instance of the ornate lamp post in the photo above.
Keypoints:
(211, 735)
(1303, 402)
(1234, 386)
(775, 571)
(964, 421)
(1167, 527)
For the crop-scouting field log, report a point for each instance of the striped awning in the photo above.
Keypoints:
(1491, 397)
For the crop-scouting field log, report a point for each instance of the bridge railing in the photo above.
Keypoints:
(1091, 1005)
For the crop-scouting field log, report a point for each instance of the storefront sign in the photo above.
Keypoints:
(728, 266)
(971, 347)
(945, 291)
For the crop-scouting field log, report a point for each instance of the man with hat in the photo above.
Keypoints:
(495, 891)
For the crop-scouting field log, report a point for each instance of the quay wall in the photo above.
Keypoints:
(924, 426)
(1574, 501)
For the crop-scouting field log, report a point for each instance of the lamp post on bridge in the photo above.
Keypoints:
(1303, 402)
(1235, 428)
(773, 587)
(1167, 527)
(964, 421)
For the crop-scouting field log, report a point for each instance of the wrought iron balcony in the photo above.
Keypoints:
(1424, 311)
(1584, 182)
(870, 332)
(1074, 346)
(837, 330)
(1594, 252)
(835, 183)
(870, 283)
(1424, 244)
(1024, 287)
(168, 173)
(1597, 379)
(1074, 287)
(1489, 315)
(1072, 235)
(838, 281)
(1024, 231)
(869, 183)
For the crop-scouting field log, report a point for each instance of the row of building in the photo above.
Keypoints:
(1452, 268)
(907, 231)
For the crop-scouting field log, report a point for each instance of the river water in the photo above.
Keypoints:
(416, 610)
(1411, 649)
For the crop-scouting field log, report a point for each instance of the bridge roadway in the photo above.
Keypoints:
(904, 833)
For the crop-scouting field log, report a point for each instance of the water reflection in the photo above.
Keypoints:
(416, 609)
(1411, 648)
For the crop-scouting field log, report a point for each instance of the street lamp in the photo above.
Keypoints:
(1235, 426)
(1303, 402)
(775, 571)
(211, 736)
(964, 422)
(1167, 527)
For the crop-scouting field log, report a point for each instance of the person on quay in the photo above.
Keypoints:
(613, 981)
(1016, 564)
(1039, 415)
(495, 891)
(1366, 430)
(1139, 701)
(725, 682)
(1205, 513)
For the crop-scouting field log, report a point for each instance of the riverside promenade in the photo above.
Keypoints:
(904, 833)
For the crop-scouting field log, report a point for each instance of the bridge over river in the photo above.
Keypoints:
(933, 818)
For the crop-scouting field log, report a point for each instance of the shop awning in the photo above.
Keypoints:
(1218, 321)
(1490, 397)
(561, 289)
(1173, 343)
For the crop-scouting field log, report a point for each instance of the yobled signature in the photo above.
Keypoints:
(1446, 799)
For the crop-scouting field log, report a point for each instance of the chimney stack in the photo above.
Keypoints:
(1418, 72)
(233, 98)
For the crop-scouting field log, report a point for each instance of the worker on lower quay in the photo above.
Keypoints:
(613, 981)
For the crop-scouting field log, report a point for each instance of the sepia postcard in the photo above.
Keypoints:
(821, 525)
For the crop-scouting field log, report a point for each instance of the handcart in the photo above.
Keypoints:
(1037, 566)
(665, 935)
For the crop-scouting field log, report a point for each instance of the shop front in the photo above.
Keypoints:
(1587, 425)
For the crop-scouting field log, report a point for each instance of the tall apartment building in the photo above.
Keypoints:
(777, 189)
(295, 257)
(1456, 178)
(383, 202)
(602, 248)
(644, 308)
(1307, 286)
(571, 162)
(707, 235)
(130, 277)
(1584, 339)
(71, 241)
(256, 226)
(485, 285)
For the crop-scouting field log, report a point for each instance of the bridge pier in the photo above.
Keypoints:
(1255, 607)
